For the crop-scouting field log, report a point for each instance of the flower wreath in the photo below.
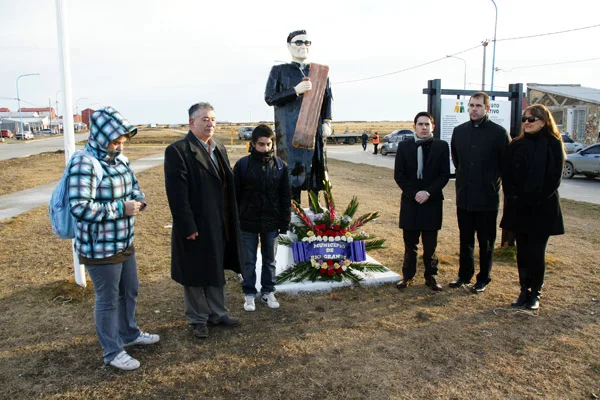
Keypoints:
(328, 247)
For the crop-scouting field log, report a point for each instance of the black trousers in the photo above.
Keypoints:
(531, 260)
(375, 148)
(482, 223)
(411, 240)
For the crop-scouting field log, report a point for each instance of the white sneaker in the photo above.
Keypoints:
(144, 338)
(125, 362)
(270, 300)
(249, 303)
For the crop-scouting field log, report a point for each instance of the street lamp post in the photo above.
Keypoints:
(465, 73)
(77, 102)
(19, 101)
(76, 107)
(494, 51)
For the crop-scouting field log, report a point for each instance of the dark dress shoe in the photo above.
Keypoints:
(522, 299)
(432, 283)
(200, 331)
(479, 287)
(458, 283)
(404, 283)
(226, 321)
(533, 303)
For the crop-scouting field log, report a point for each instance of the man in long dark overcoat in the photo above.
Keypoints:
(205, 236)
(422, 170)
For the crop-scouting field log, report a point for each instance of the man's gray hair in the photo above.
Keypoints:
(193, 111)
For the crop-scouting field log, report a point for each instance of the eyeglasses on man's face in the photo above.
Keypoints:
(531, 120)
(302, 42)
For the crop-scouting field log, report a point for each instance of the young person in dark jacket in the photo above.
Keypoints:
(264, 202)
(530, 179)
(478, 148)
(422, 170)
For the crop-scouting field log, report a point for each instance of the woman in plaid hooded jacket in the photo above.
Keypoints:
(105, 212)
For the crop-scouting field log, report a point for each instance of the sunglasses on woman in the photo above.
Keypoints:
(531, 120)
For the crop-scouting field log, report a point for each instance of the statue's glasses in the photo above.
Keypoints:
(302, 42)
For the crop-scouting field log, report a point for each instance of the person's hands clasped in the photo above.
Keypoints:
(193, 236)
(132, 207)
(303, 87)
(422, 196)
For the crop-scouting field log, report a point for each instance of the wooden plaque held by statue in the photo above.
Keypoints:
(310, 111)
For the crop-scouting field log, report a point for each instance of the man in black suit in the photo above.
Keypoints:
(422, 170)
(478, 148)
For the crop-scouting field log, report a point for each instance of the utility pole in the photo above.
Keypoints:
(484, 44)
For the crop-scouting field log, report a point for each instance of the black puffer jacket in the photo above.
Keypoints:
(263, 193)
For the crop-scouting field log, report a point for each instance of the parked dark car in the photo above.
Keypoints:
(586, 162)
(390, 146)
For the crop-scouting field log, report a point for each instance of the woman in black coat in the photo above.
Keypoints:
(531, 176)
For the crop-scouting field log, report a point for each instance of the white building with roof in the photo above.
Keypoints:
(575, 108)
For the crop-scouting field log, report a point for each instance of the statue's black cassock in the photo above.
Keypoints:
(307, 168)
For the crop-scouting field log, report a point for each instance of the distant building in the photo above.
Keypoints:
(575, 108)
(4, 109)
(42, 111)
(85, 116)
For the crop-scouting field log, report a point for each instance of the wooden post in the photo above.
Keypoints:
(308, 119)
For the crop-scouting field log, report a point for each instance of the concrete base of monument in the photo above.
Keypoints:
(284, 259)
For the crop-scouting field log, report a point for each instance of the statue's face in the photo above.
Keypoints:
(299, 52)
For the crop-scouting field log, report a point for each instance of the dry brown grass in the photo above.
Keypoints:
(359, 343)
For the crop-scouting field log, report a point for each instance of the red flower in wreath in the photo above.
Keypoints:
(330, 263)
(330, 272)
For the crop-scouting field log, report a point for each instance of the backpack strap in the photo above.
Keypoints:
(98, 171)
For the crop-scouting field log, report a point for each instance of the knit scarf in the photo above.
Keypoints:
(420, 142)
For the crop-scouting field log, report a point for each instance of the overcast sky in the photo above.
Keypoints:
(152, 59)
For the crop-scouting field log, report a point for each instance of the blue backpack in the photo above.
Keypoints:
(63, 222)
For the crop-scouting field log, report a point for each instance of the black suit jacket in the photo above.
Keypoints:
(436, 173)
(201, 199)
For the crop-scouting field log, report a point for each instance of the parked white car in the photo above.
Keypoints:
(570, 145)
(586, 162)
(24, 135)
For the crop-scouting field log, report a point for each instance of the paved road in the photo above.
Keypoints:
(579, 188)
(26, 148)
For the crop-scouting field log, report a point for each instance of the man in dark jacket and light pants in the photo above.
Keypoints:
(205, 236)
(422, 170)
(478, 148)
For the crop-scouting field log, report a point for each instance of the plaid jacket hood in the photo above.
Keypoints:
(107, 124)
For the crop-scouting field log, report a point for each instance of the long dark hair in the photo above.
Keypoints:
(540, 111)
